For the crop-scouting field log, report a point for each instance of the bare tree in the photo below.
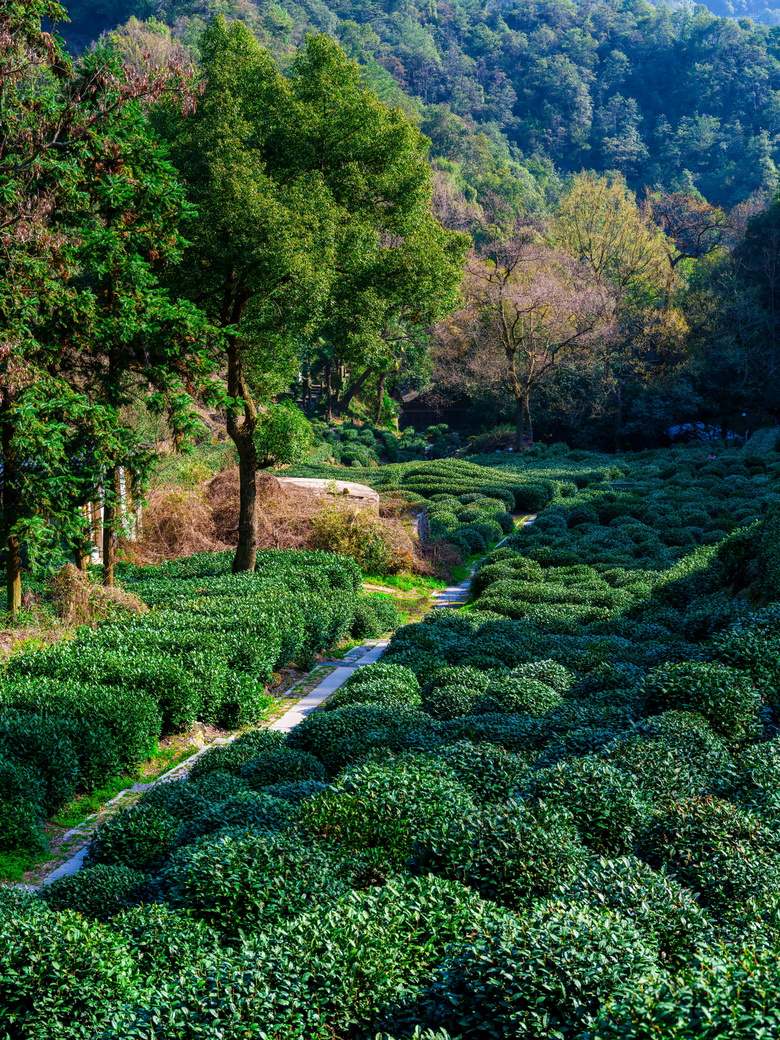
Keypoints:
(692, 227)
(530, 309)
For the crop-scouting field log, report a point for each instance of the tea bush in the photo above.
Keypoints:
(491, 773)
(140, 837)
(721, 851)
(724, 696)
(282, 765)
(242, 878)
(507, 853)
(98, 892)
(606, 807)
(667, 912)
(728, 990)
(62, 976)
(382, 808)
(518, 695)
(552, 970)
(347, 735)
(164, 941)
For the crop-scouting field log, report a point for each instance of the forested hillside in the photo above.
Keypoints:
(677, 98)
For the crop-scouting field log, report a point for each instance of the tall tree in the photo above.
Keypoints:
(693, 228)
(314, 218)
(60, 124)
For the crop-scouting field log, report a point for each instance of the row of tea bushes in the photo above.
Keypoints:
(560, 825)
(365, 446)
(470, 504)
(77, 712)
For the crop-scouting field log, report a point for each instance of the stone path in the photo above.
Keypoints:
(369, 653)
(341, 672)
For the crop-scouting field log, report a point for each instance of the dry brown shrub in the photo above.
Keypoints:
(180, 522)
(440, 557)
(284, 513)
(79, 601)
(176, 522)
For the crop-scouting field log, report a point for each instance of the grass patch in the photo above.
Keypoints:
(14, 865)
(75, 812)
(405, 582)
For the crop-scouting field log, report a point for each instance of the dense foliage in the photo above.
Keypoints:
(555, 809)
(666, 97)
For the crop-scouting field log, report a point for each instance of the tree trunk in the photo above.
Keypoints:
(524, 426)
(109, 526)
(242, 434)
(328, 393)
(380, 397)
(246, 551)
(82, 555)
(618, 417)
(13, 563)
(527, 424)
(518, 424)
(356, 387)
(13, 575)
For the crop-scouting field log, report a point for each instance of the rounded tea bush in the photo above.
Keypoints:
(164, 941)
(544, 975)
(490, 772)
(450, 702)
(667, 912)
(139, 837)
(241, 878)
(547, 671)
(516, 694)
(62, 976)
(604, 802)
(295, 793)
(97, 892)
(385, 684)
(485, 576)
(282, 765)
(728, 990)
(754, 779)
(395, 675)
(720, 850)
(385, 806)
(232, 757)
(508, 854)
(347, 735)
(725, 696)
(248, 809)
(671, 756)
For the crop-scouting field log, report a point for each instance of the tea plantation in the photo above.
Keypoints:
(554, 814)
(77, 712)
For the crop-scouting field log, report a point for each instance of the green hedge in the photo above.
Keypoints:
(75, 713)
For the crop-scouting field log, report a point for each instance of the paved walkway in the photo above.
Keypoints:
(341, 672)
